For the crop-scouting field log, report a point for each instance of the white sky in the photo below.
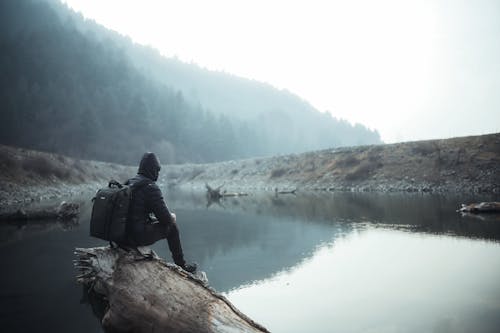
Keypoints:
(411, 69)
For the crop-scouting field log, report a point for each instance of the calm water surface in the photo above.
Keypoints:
(333, 262)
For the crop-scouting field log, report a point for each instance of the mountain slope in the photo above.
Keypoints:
(69, 86)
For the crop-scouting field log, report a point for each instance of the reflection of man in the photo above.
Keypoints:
(147, 199)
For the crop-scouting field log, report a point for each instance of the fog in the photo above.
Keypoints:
(410, 69)
(224, 81)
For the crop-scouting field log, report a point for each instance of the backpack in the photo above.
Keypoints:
(110, 211)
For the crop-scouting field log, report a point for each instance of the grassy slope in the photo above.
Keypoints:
(27, 175)
(458, 164)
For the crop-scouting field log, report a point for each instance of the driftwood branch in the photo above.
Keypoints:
(276, 191)
(64, 211)
(483, 207)
(216, 194)
(146, 294)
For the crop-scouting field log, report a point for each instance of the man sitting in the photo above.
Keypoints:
(147, 199)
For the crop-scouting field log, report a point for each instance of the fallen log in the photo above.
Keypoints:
(65, 211)
(146, 294)
(215, 193)
(234, 194)
(483, 207)
(276, 191)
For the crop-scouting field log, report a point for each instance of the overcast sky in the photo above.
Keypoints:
(410, 69)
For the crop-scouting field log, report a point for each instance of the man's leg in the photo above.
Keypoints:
(156, 231)
(149, 234)
(174, 244)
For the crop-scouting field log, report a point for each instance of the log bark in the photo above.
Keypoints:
(483, 207)
(146, 294)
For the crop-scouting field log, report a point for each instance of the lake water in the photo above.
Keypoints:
(311, 262)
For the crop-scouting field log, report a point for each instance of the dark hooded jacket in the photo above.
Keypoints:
(147, 198)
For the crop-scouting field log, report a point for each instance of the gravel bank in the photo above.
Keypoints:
(469, 164)
(28, 177)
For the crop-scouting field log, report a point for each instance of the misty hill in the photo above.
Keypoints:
(70, 86)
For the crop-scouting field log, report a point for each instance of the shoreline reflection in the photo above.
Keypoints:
(429, 213)
(382, 281)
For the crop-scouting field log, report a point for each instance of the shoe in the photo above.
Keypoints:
(191, 268)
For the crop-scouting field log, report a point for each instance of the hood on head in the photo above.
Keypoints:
(149, 166)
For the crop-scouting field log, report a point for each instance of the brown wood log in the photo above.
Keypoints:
(483, 207)
(64, 211)
(276, 191)
(146, 294)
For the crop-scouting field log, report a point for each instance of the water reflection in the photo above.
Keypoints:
(383, 281)
(252, 238)
(15, 231)
(237, 248)
(415, 212)
(351, 262)
(22, 228)
(38, 291)
(365, 262)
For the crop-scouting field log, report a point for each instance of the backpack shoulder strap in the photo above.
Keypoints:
(140, 184)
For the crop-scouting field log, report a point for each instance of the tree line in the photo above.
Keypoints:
(79, 93)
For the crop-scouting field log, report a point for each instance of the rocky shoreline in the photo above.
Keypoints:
(468, 165)
(13, 195)
(31, 178)
(383, 185)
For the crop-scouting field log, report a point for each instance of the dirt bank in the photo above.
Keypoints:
(467, 164)
(28, 176)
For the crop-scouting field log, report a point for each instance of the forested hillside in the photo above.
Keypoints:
(70, 86)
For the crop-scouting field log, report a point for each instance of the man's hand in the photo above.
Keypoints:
(174, 217)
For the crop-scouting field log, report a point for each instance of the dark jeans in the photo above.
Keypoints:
(144, 234)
